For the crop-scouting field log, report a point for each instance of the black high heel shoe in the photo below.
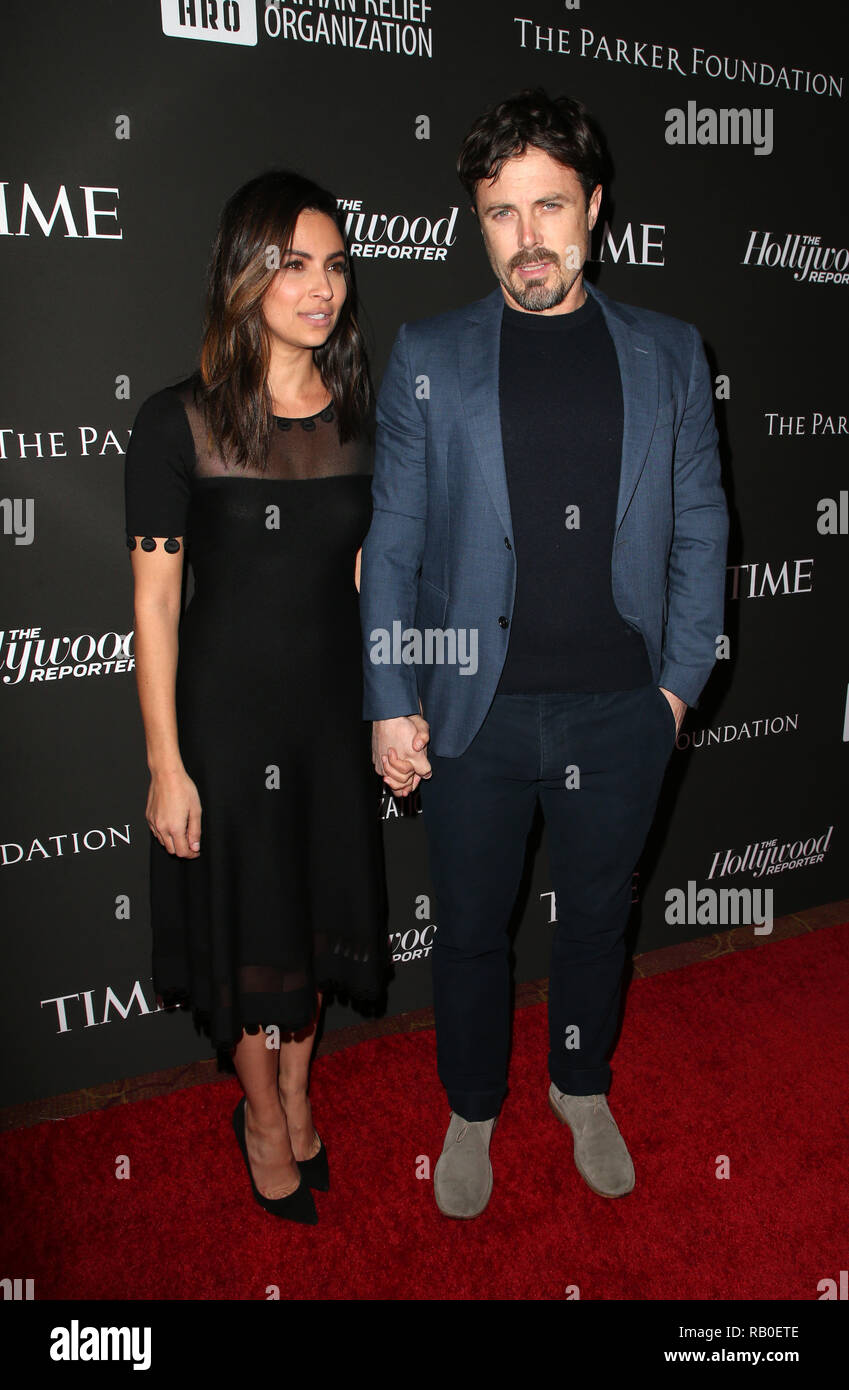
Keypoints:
(315, 1169)
(298, 1205)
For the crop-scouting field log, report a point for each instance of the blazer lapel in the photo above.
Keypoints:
(637, 357)
(480, 345)
(479, 353)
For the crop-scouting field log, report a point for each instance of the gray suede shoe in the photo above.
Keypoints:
(462, 1178)
(601, 1157)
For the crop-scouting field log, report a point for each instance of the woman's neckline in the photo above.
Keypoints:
(296, 419)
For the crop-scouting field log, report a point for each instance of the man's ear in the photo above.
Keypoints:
(593, 206)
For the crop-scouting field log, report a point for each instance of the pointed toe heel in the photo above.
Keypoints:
(298, 1205)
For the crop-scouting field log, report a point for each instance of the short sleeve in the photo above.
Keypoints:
(158, 468)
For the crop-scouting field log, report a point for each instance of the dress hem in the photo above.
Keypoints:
(180, 999)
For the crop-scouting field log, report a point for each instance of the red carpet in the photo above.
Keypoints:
(743, 1056)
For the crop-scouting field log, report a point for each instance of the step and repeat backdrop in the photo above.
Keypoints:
(127, 128)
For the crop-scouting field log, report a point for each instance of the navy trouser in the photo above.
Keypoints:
(477, 811)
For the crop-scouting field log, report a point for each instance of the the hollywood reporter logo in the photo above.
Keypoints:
(27, 656)
(396, 236)
(769, 857)
(801, 253)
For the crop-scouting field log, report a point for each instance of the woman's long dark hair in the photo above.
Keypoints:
(235, 353)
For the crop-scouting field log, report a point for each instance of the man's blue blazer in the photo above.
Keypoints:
(440, 551)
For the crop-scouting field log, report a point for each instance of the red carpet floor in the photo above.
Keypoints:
(744, 1056)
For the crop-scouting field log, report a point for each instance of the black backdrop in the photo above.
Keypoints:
(125, 134)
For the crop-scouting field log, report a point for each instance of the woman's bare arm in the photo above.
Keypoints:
(173, 807)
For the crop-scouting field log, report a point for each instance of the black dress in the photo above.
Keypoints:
(287, 894)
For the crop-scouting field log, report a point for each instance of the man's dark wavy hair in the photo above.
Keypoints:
(562, 126)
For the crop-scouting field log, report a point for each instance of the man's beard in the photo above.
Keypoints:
(537, 297)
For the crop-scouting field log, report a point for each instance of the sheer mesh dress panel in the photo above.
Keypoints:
(287, 894)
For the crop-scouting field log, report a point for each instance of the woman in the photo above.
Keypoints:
(267, 883)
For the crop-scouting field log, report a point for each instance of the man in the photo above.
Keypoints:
(546, 484)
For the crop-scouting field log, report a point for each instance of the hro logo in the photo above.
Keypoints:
(216, 21)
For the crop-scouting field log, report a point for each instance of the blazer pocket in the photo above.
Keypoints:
(432, 604)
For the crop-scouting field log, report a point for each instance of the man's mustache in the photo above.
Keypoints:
(532, 258)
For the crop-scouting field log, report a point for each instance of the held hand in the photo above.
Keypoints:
(173, 813)
(398, 752)
(679, 708)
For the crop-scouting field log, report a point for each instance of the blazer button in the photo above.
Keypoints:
(503, 622)
(507, 542)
